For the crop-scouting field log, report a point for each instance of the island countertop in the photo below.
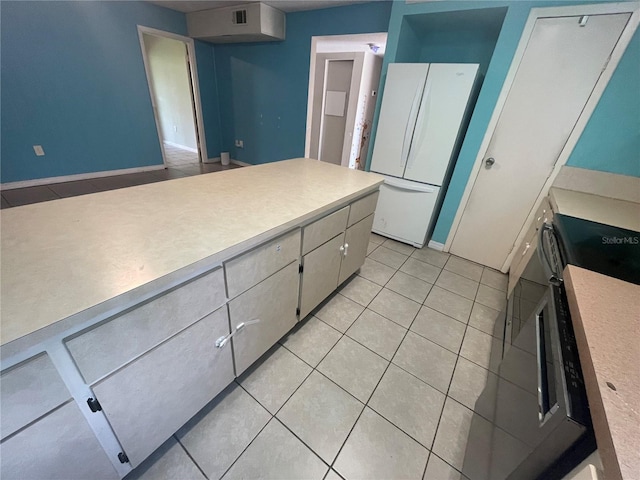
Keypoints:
(605, 313)
(63, 257)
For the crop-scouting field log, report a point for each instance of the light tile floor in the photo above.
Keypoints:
(379, 382)
(176, 156)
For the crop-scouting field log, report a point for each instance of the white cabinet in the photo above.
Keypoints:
(149, 399)
(59, 445)
(273, 303)
(44, 434)
(340, 256)
(355, 247)
(321, 269)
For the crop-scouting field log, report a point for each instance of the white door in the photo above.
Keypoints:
(400, 102)
(334, 115)
(405, 210)
(559, 69)
(442, 110)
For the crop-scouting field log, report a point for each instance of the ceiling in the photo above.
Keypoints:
(187, 6)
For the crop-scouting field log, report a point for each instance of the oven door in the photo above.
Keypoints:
(520, 426)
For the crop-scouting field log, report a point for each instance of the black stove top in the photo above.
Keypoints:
(605, 249)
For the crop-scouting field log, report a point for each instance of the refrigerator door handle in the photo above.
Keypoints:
(411, 121)
(418, 187)
(423, 115)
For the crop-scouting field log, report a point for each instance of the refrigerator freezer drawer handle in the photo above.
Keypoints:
(412, 188)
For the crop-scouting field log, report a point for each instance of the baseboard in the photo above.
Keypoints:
(212, 160)
(181, 147)
(79, 176)
(242, 164)
(435, 245)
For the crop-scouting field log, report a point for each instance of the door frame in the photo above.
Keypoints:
(601, 84)
(352, 103)
(195, 87)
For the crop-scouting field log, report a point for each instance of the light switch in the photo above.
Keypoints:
(39, 151)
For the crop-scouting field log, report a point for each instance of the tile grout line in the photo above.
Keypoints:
(189, 455)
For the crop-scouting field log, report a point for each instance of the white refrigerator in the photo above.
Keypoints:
(423, 110)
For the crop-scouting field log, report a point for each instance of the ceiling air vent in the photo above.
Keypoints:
(239, 17)
(252, 22)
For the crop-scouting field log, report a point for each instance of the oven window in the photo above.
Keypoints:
(548, 398)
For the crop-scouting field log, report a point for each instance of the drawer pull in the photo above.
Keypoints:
(223, 340)
(344, 249)
(527, 247)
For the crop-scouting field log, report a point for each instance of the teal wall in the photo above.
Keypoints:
(405, 45)
(263, 87)
(611, 139)
(73, 81)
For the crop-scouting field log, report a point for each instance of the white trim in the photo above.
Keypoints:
(436, 245)
(310, 89)
(213, 160)
(618, 51)
(195, 85)
(243, 164)
(181, 147)
(79, 176)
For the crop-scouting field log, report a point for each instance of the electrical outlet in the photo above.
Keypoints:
(175, 128)
(38, 150)
(239, 143)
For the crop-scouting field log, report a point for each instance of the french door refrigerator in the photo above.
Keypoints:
(423, 110)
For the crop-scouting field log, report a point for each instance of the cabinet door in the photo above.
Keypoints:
(355, 247)
(28, 391)
(320, 274)
(58, 446)
(149, 399)
(273, 301)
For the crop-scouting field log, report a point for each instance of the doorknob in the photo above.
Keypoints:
(489, 162)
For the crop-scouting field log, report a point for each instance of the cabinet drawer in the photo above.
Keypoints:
(323, 230)
(274, 302)
(28, 391)
(119, 340)
(320, 274)
(149, 399)
(355, 242)
(251, 268)
(362, 208)
(60, 445)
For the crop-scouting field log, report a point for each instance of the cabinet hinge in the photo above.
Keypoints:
(123, 457)
(300, 268)
(297, 311)
(94, 404)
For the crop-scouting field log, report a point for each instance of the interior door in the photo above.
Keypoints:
(398, 112)
(442, 111)
(560, 67)
(334, 115)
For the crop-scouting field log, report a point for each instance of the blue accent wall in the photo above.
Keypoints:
(403, 45)
(263, 87)
(73, 81)
(610, 141)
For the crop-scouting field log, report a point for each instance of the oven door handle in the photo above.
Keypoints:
(542, 369)
(553, 276)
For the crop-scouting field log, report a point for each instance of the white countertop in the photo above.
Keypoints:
(64, 256)
(606, 210)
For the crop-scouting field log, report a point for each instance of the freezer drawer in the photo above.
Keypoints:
(405, 210)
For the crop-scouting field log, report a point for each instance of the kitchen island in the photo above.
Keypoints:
(117, 307)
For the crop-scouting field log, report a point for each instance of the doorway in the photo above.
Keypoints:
(559, 68)
(343, 82)
(169, 61)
